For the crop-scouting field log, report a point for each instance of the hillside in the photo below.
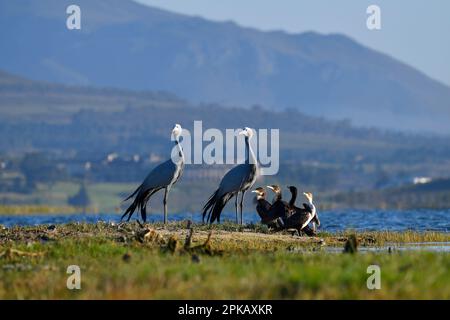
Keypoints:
(49, 131)
(85, 124)
(40, 115)
(127, 45)
(23, 99)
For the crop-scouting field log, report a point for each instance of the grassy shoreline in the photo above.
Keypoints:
(132, 261)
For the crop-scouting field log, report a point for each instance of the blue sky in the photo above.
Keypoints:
(415, 32)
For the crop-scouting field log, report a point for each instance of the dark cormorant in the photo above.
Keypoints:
(278, 204)
(307, 206)
(265, 210)
(302, 216)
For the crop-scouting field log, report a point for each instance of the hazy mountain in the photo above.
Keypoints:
(72, 124)
(127, 45)
(36, 115)
(22, 99)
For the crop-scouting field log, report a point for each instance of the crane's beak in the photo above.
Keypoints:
(308, 196)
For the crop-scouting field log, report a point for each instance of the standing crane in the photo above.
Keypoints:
(164, 176)
(235, 182)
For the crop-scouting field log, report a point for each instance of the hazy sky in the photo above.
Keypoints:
(415, 32)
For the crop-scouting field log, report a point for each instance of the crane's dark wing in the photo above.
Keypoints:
(161, 176)
(233, 180)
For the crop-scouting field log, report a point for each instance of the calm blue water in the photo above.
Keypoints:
(332, 221)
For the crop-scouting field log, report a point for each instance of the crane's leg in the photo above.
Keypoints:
(240, 204)
(166, 193)
(236, 206)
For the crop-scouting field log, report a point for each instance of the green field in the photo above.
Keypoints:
(105, 197)
(130, 261)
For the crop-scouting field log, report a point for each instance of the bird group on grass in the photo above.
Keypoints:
(277, 215)
(280, 215)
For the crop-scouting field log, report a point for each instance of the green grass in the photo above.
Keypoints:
(151, 262)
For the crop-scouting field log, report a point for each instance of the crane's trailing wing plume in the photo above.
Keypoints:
(215, 205)
(209, 206)
(140, 201)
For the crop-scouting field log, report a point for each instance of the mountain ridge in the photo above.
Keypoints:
(128, 45)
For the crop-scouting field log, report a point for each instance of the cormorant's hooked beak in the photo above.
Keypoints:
(271, 188)
(308, 196)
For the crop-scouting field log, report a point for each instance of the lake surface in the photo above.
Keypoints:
(331, 221)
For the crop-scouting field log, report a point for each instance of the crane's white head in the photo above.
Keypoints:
(247, 132)
(177, 131)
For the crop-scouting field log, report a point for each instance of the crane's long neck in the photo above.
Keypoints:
(180, 150)
(249, 155)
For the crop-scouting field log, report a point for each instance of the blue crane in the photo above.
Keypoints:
(164, 176)
(235, 182)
